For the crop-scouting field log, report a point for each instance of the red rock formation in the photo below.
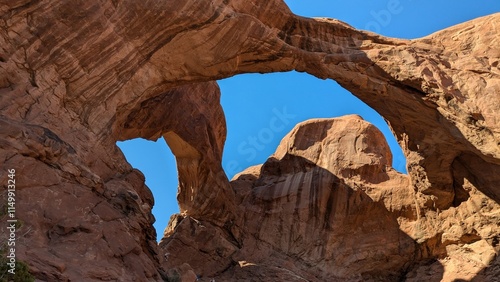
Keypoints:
(76, 76)
(323, 198)
(327, 206)
(195, 129)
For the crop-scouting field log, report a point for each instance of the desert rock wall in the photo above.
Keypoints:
(76, 76)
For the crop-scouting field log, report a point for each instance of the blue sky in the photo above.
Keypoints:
(261, 109)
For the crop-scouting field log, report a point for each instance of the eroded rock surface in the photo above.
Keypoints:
(76, 76)
(323, 197)
(327, 206)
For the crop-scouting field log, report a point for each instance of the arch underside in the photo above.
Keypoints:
(76, 80)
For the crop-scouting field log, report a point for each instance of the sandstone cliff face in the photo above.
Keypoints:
(327, 206)
(323, 198)
(76, 76)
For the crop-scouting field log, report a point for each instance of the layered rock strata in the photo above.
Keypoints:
(327, 206)
(76, 76)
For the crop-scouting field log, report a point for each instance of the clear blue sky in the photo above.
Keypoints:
(261, 109)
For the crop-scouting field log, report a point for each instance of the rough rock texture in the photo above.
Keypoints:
(194, 127)
(76, 76)
(329, 197)
(327, 206)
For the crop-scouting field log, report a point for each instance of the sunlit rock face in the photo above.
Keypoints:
(76, 76)
(329, 197)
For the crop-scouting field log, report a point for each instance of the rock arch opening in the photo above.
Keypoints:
(77, 76)
(259, 111)
(157, 163)
(262, 109)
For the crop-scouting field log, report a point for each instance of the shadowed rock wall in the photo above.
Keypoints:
(76, 76)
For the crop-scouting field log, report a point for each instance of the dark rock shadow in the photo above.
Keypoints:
(483, 175)
(490, 273)
(325, 226)
(447, 153)
(404, 103)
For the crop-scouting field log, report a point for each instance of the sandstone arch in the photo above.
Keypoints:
(73, 73)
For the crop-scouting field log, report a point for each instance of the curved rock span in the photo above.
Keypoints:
(76, 76)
